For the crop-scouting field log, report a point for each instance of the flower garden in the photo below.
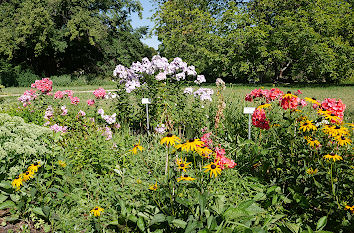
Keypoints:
(70, 164)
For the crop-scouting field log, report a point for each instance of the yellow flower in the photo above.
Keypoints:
(289, 96)
(350, 125)
(62, 163)
(27, 175)
(351, 208)
(343, 141)
(153, 187)
(170, 140)
(204, 151)
(34, 167)
(275, 125)
(214, 169)
(96, 211)
(335, 130)
(332, 117)
(263, 106)
(182, 165)
(185, 177)
(335, 157)
(191, 145)
(136, 148)
(311, 142)
(312, 100)
(323, 112)
(310, 171)
(138, 181)
(16, 183)
(307, 126)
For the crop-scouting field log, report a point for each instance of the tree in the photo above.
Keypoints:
(62, 36)
(260, 40)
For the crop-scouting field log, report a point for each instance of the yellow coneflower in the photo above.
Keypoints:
(307, 126)
(323, 112)
(310, 171)
(170, 140)
(34, 167)
(27, 175)
(96, 211)
(335, 130)
(263, 106)
(312, 100)
(332, 117)
(311, 142)
(343, 141)
(136, 148)
(204, 151)
(153, 187)
(185, 177)
(214, 169)
(182, 165)
(350, 208)
(275, 125)
(334, 157)
(62, 163)
(191, 145)
(16, 183)
(350, 125)
(289, 96)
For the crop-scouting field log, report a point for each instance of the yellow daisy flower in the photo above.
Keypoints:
(289, 96)
(16, 183)
(191, 145)
(62, 163)
(170, 140)
(263, 106)
(182, 165)
(311, 142)
(204, 151)
(27, 175)
(307, 126)
(153, 187)
(343, 141)
(312, 100)
(136, 148)
(310, 171)
(351, 208)
(323, 112)
(214, 169)
(185, 177)
(334, 157)
(96, 211)
(332, 117)
(34, 167)
(335, 130)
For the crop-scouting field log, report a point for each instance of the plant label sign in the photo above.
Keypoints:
(146, 101)
(249, 111)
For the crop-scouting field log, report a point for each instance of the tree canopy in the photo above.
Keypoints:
(260, 40)
(63, 36)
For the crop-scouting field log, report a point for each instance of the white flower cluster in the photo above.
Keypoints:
(158, 66)
(109, 119)
(202, 93)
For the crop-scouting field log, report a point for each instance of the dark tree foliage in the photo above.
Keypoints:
(64, 36)
(261, 40)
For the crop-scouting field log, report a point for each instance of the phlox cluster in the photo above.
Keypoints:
(100, 93)
(259, 119)
(62, 94)
(159, 67)
(269, 95)
(109, 119)
(223, 161)
(336, 107)
(57, 128)
(45, 85)
(48, 113)
(160, 129)
(27, 97)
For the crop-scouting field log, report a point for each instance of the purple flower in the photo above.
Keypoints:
(188, 90)
(204, 93)
(64, 110)
(100, 111)
(161, 76)
(57, 128)
(200, 79)
(160, 129)
(48, 113)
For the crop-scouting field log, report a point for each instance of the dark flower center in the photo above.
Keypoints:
(186, 176)
(135, 145)
(332, 154)
(169, 135)
(191, 140)
(343, 138)
(35, 164)
(96, 208)
(27, 173)
(313, 98)
(305, 124)
(181, 165)
(213, 166)
(289, 92)
(332, 114)
(337, 127)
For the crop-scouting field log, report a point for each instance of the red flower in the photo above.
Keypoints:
(259, 119)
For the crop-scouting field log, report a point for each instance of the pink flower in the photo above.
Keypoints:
(59, 95)
(289, 101)
(336, 107)
(64, 110)
(224, 162)
(259, 119)
(81, 113)
(45, 85)
(303, 103)
(57, 128)
(74, 100)
(206, 139)
(27, 97)
(90, 102)
(99, 93)
(298, 92)
(69, 93)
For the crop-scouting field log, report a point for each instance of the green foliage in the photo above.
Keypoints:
(260, 41)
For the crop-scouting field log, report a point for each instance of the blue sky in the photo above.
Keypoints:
(145, 21)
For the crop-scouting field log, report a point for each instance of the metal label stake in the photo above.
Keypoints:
(249, 111)
(146, 101)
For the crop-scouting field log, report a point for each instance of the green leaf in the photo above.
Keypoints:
(141, 224)
(2, 198)
(179, 223)
(5, 184)
(234, 213)
(132, 218)
(7, 204)
(321, 223)
(192, 225)
(38, 211)
(157, 219)
(46, 210)
(292, 227)
(114, 222)
(254, 209)
(15, 197)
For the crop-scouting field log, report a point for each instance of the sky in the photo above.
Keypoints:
(145, 21)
